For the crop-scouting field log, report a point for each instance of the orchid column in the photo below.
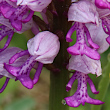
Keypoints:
(58, 80)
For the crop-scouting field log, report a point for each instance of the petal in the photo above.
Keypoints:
(91, 53)
(12, 70)
(7, 11)
(26, 81)
(70, 83)
(103, 12)
(94, 101)
(83, 11)
(81, 95)
(34, 5)
(79, 49)
(27, 66)
(4, 85)
(89, 39)
(5, 22)
(93, 89)
(45, 46)
(72, 102)
(4, 58)
(102, 4)
(16, 16)
(17, 55)
(108, 39)
(19, 2)
(17, 24)
(98, 36)
(38, 72)
(29, 17)
(25, 26)
(74, 50)
(10, 35)
(71, 30)
(8, 53)
(85, 65)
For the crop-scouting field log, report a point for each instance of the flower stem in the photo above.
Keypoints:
(59, 80)
(58, 90)
(103, 85)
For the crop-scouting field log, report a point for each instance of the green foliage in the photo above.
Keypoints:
(19, 40)
(21, 104)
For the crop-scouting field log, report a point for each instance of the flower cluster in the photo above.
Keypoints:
(17, 16)
(91, 21)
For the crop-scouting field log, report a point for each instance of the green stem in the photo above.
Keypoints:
(58, 90)
(103, 85)
(59, 80)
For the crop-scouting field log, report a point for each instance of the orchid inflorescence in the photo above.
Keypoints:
(91, 21)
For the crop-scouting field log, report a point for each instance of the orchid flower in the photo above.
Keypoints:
(91, 21)
(17, 15)
(13, 19)
(4, 58)
(81, 95)
(85, 52)
(82, 12)
(42, 49)
(80, 47)
(18, 18)
(7, 29)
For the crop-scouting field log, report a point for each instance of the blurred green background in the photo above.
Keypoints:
(17, 97)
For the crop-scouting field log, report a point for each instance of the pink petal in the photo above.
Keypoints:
(85, 65)
(35, 5)
(45, 46)
(83, 11)
(98, 36)
(26, 81)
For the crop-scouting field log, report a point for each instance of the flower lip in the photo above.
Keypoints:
(81, 95)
